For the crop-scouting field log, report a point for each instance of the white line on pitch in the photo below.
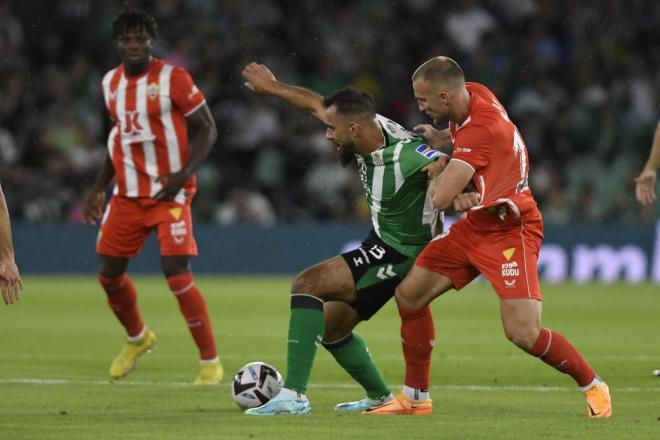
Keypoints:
(485, 388)
(387, 357)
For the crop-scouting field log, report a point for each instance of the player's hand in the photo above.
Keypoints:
(172, 184)
(465, 201)
(10, 280)
(436, 167)
(259, 78)
(645, 187)
(93, 206)
(439, 139)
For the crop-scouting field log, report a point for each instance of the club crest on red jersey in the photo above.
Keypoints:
(152, 90)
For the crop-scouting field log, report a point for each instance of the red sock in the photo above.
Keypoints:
(417, 338)
(193, 307)
(122, 299)
(556, 351)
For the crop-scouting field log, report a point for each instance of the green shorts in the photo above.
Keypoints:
(377, 269)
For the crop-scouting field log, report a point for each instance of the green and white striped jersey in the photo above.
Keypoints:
(402, 211)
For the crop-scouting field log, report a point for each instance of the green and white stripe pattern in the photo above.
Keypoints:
(398, 191)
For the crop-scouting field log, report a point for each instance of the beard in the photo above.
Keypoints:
(347, 154)
(346, 158)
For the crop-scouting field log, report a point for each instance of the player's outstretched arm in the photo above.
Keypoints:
(645, 182)
(261, 80)
(10, 280)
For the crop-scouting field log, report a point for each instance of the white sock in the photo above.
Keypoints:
(138, 337)
(292, 393)
(596, 382)
(416, 393)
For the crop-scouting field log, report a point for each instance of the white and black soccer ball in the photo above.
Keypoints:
(255, 384)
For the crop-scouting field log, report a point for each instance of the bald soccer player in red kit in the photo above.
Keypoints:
(500, 237)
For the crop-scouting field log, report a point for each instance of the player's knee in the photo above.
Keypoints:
(174, 266)
(523, 337)
(406, 300)
(305, 282)
(108, 274)
(112, 267)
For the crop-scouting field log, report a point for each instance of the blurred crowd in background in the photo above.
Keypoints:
(580, 78)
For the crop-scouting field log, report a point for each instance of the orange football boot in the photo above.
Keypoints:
(401, 405)
(599, 403)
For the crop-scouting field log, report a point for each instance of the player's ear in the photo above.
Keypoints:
(354, 128)
(444, 97)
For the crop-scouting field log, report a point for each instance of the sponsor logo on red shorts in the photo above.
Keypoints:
(510, 269)
(178, 231)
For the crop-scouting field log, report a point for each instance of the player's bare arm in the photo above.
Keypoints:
(450, 183)
(205, 134)
(261, 80)
(645, 182)
(11, 284)
(463, 201)
(439, 139)
(10, 280)
(95, 196)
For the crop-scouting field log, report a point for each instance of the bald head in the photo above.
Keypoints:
(440, 90)
(440, 72)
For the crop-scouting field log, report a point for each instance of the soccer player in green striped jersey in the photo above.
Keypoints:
(329, 299)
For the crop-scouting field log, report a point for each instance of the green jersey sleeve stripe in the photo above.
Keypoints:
(398, 175)
(377, 191)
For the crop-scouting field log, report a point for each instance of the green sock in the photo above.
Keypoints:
(305, 334)
(353, 355)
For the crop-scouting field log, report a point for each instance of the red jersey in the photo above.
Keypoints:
(150, 136)
(490, 144)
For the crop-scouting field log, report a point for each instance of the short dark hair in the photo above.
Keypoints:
(133, 19)
(351, 101)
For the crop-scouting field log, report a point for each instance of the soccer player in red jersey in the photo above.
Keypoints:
(500, 237)
(10, 280)
(152, 104)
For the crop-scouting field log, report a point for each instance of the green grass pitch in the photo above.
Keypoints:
(56, 345)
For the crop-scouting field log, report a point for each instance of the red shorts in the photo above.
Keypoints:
(128, 222)
(504, 251)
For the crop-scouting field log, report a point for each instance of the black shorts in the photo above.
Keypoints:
(377, 269)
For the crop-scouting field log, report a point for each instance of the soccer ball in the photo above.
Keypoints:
(255, 384)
